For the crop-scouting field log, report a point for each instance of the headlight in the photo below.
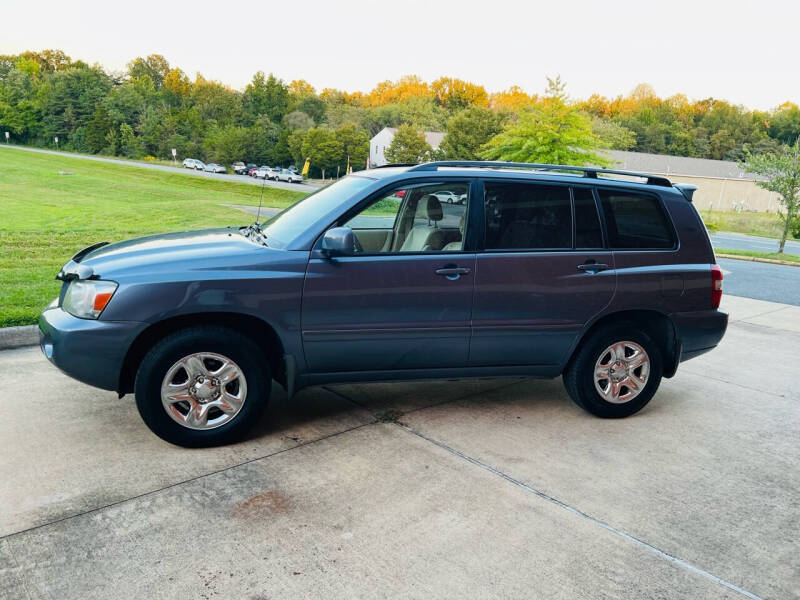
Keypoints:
(86, 298)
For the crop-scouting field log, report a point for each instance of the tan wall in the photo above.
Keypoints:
(729, 194)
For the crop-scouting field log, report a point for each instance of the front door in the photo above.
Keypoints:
(543, 275)
(404, 299)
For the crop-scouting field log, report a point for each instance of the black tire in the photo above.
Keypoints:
(579, 375)
(212, 339)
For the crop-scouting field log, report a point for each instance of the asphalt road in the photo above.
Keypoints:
(300, 187)
(739, 241)
(480, 489)
(764, 281)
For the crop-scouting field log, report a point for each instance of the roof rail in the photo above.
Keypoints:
(591, 172)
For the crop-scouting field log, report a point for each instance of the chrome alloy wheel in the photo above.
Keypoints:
(203, 390)
(621, 372)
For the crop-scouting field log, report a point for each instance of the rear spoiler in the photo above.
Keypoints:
(687, 189)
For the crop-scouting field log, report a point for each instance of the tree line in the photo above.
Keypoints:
(153, 107)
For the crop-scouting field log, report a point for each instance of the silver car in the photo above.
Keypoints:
(193, 163)
(290, 176)
(214, 168)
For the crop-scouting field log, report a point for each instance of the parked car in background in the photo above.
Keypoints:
(251, 170)
(239, 167)
(608, 282)
(193, 163)
(249, 167)
(214, 168)
(262, 172)
(290, 176)
(448, 196)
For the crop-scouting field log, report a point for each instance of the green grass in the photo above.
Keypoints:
(46, 217)
(770, 255)
(750, 223)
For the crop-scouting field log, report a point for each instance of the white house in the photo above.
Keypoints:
(381, 141)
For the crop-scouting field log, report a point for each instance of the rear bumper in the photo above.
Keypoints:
(88, 350)
(698, 332)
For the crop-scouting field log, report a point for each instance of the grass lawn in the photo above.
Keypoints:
(750, 223)
(46, 217)
(755, 254)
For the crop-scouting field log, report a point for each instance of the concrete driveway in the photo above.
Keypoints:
(488, 489)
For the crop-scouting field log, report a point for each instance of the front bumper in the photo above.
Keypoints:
(91, 351)
(699, 331)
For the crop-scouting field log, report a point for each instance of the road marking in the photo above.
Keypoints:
(636, 541)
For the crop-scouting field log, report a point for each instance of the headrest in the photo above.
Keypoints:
(462, 221)
(431, 208)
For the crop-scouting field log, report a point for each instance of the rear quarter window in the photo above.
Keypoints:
(636, 221)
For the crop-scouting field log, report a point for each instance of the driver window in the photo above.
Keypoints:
(420, 218)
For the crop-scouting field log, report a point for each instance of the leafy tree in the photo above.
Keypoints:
(155, 67)
(298, 120)
(457, 94)
(781, 171)
(265, 96)
(312, 106)
(408, 146)
(553, 132)
(322, 147)
(128, 142)
(784, 125)
(613, 135)
(355, 145)
(97, 129)
(468, 130)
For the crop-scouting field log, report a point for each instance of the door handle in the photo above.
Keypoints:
(452, 272)
(591, 266)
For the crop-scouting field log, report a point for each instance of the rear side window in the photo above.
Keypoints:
(635, 220)
(587, 222)
(527, 216)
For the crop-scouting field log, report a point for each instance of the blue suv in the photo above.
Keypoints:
(439, 270)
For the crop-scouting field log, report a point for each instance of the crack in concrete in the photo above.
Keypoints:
(579, 513)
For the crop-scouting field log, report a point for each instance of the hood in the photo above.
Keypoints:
(185, 251)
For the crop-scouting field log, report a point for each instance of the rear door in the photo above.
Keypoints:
(544, 272)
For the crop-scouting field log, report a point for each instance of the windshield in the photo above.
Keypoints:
(293, 221)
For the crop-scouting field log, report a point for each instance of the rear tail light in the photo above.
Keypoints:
(716, 285)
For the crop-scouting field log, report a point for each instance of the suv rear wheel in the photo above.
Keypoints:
(202, 386)
(616, 371)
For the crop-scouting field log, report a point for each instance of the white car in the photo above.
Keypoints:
(289, 176)
(449, 197)
(193, 163)
(214, 168)
(263, 172)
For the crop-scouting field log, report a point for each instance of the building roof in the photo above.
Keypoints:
(434, 138)
(663, 164)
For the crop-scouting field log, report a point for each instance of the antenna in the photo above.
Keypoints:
(260, 200)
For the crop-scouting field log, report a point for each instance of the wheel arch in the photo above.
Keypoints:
(261, 332)
(656, 324)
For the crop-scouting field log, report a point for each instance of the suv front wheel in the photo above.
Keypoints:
(616, 372)
(202, 386)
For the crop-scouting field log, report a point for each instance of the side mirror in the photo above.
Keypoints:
(338, 241)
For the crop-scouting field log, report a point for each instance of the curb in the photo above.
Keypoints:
(772, 261)
(18, 337)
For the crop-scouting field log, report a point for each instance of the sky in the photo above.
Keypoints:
(738, 50)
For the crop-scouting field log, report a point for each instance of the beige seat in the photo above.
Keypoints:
(459, 244)
(421, 238)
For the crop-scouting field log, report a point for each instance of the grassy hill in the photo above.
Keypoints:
(46, 216)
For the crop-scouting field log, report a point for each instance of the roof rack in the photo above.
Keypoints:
(591, 172)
